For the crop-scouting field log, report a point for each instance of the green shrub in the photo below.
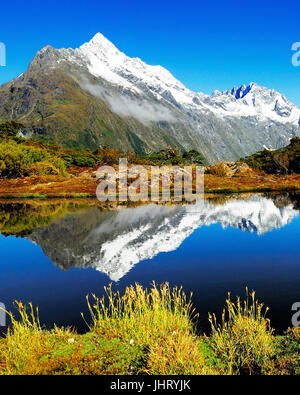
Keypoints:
(82, 159)
(287, 354)
(219, 170)
(283, 161)
(194, 156)
(43, 168)
(18, 160)
(109, 156)
(10, 128)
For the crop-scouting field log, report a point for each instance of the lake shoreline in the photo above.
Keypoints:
(83, 183)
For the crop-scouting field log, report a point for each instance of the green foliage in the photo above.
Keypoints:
(62, 352)
(283, 161)
(43, 168)
(20, 219)
(10, 128)
(79, 158)
(172, 156)
(194, 157)
(287, 351)
(18, 160)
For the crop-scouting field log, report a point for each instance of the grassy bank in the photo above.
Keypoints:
(151, 332)
(83, 183)
(34, 169)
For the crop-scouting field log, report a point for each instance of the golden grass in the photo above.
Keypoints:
(244, 338)
(83, 182)
(140, 314)
(150, 332)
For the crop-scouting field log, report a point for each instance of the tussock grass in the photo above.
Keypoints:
(150, 332)
(244, 339)
(142, 315)
(160, 321)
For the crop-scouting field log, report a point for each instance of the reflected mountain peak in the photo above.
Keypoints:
(112, 242)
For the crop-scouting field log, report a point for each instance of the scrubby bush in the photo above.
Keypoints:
(10, 128)
(79, 158)
(168, 156)
(109, 156)
(43, 168)
(219, 170)
(18, 160)
(194, 157)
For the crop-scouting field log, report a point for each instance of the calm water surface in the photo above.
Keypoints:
(54, 254)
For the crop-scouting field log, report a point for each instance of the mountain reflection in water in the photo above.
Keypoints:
(55, 253)
(113, 242)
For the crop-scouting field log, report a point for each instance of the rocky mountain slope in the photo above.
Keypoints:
(97, 95)
(283, 161)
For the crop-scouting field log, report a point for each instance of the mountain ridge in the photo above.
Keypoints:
(96, 95)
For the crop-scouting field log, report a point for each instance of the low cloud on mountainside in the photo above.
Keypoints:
(123, 105)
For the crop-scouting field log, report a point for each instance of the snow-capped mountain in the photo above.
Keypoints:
(152, 107)
(114, 242)
(255, 101)
(106, 61)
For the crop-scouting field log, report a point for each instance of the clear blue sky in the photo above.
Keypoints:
(207, 45)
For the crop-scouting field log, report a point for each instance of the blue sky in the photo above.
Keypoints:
(207, 45)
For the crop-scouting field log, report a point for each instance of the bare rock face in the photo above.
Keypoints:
(240, 169)
(230, 169)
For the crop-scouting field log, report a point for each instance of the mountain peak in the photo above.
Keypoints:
(241, 91)
(99, 39)
(99, 42)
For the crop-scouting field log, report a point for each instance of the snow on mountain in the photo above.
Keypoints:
(222, 126)
(254, 100)
(119, 240)
(106, 61)
(257, 214)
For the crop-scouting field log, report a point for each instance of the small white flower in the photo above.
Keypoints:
(71, 341)
(131, 342)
